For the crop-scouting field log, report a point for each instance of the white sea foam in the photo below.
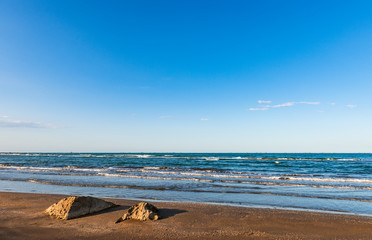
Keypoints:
(161, 173)
(222, 181)
(143, 156)
(313, 179)
(51, 169)
(244, 176)
(290, 178)
(153, 177)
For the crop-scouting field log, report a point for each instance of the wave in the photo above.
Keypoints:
(236, 181)
(52, 169)
(154, 177)
(219, 183)
(285, 177)
(201, 173)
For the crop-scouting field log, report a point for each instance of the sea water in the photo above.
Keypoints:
(330, 182)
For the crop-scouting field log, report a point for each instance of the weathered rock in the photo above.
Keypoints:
(142, 211)
(73, 207)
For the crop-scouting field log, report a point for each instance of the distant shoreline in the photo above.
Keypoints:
(11, 152)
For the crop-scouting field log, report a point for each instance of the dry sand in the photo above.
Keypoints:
(22, 217)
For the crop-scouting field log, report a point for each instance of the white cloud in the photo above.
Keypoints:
(287, 104)
(263, 101)
(351, 106)
(290, 104)
(204, 119)
(258, 109)
(8, 123)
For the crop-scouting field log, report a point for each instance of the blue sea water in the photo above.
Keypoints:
(331, 182)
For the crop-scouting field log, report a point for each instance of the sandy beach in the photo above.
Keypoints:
(213, 120)
(22, 217)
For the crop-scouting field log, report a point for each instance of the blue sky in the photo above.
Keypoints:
(186, 76)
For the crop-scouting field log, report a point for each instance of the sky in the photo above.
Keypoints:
(185, 76)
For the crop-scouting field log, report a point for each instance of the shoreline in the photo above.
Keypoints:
(22, 216)
(305, 210)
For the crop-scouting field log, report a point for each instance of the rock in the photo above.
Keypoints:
(73, 207)
(142, 211)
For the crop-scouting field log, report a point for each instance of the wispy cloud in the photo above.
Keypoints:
(290, 104)
(287, 104)
(6, 122)
(351, 106)
(204, 119)
(263, 101)
(258, 109)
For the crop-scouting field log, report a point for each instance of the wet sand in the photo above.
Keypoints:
(22, 217)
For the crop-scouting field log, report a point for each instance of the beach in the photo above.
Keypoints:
(22, 216)
(231, 119)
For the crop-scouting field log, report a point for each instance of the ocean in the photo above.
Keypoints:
(322, 182)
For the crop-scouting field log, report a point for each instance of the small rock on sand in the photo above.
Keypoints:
(73, 207)
(142, 211)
